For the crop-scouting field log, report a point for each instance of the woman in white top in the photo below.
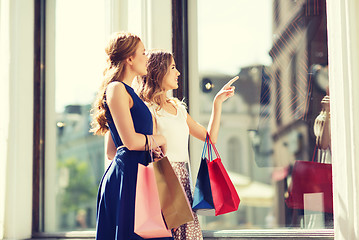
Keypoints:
(173, 122)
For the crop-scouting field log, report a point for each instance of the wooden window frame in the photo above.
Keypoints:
(39, 116)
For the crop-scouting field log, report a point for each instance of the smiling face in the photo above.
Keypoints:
(170, 80)
(139, 60)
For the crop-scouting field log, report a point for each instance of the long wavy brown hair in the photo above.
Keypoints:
(158, 64)
(121, 46)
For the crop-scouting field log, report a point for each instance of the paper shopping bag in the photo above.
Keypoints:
(202, 197)
(222, 191)
(225, 197)
(175, 206)
(148, 217)
(311, 177)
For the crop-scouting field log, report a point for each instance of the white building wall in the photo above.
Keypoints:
(17, 34)
(4, 98)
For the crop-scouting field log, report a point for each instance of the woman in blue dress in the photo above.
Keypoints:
(120, 111)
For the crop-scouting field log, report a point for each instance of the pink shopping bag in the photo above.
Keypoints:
(149, 222)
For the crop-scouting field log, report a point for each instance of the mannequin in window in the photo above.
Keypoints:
(323, 120)
(322, 131)
(323, 140)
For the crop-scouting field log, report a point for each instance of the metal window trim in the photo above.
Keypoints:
(220, 234)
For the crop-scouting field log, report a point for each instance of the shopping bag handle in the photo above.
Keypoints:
(148, 148)
(151, 151)
(146, 145)
(204, 148)
(207, 147)
(211, 145)
(317, 151)
(314, 152)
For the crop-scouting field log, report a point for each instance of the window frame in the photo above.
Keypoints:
(180, 43)
(39, 116)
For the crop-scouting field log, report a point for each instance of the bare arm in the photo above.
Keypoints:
(110, 147)
(157, 151)
(198, 130)
(324, 138)
(120, 102)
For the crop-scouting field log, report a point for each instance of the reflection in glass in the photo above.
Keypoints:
(279, 50)
(74, 158)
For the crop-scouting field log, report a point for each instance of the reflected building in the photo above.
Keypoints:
(268, 124)
(299, 46)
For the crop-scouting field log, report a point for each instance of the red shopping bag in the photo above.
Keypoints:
(225, 196)
(311, 177)
(214, 189)
(149, 222)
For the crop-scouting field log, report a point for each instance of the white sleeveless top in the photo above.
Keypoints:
(175, 129)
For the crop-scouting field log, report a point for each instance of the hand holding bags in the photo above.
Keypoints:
(148, 217)
(159, 190)
(222, 192)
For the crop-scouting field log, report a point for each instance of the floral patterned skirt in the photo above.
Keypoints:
(190, 230)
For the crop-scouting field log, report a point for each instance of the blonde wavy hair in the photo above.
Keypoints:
(150, 89)
(121, 46)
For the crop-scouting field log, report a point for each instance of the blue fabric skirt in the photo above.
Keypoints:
(116, 197)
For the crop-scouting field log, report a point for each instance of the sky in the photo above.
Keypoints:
(80, 42)
(231, 34)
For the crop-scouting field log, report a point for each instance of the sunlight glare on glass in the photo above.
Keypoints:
(79, 50)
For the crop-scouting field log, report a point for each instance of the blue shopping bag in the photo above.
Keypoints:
(202, 197)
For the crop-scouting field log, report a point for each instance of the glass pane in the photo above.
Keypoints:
(74, 161)
(269, 129)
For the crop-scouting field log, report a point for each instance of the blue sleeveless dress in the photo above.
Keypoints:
(117, 190)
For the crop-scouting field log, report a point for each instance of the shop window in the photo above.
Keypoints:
(279, 51)
(74, 158)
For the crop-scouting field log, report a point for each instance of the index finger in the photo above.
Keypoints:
(230, 82)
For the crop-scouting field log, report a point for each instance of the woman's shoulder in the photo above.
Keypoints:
(116, 90)
(153, 107)
(116, 86)
(178, 103)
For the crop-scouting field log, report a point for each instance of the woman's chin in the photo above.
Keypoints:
(174, 87)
